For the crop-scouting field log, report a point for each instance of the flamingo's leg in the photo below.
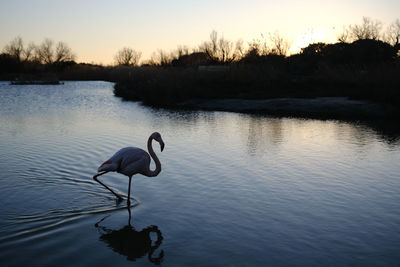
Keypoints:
(97, 180)
(129, 191)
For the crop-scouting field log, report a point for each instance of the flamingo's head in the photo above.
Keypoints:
(157, 136)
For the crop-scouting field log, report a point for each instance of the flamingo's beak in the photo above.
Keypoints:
(162, 145)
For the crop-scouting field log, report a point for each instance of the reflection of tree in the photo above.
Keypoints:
(387, 130)
(131, 243)
(262, 132)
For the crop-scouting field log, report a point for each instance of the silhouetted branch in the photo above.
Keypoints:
(220, 50)
(29, 52)
(280, 46)
(63, 53)
(392, 35)
(15, 48)
(368, 29)
(128, 57)
(344, 36)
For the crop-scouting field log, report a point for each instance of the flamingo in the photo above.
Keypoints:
(130, 161)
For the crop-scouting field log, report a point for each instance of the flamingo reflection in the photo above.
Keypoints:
(131, 243)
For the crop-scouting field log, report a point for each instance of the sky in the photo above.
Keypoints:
(96, 29)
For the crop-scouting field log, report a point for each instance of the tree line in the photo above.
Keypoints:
(218, 50)
(360, 43)
(47, 52)
(364, 63)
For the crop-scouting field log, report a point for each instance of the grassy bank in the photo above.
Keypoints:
(363, 70)
(168, 86)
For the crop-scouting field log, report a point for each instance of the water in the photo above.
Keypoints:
(235, 189)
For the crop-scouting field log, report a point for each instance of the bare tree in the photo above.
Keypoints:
(258, 47)
(45, 51)
(392, 35)
(63, 53)
(344, 36)
(280, 46)
(218, 49)
(128, 57)
(160, 58)
(239, 50)
(15, 48)
(225, 49)
(210, 47)
(29, 52)
(48, 53)
(179, 52)
(182, 50)
(368, 29)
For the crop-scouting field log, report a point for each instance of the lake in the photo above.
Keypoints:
(235, 189)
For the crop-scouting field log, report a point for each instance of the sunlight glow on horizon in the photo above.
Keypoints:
(96, 30)
(315, 35)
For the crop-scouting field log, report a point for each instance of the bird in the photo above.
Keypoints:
(130, 161)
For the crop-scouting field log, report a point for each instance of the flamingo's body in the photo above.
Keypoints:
(130, 161)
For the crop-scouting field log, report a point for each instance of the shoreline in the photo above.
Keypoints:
(319, 107)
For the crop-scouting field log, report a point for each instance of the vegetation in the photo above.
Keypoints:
(363, 64)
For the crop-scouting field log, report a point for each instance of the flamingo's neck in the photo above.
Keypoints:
(154, 157)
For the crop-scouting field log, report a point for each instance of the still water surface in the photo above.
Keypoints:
(235, 189)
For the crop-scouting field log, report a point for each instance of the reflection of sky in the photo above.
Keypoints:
(95, 30)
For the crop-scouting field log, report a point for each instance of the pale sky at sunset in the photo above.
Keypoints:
(96, 29)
